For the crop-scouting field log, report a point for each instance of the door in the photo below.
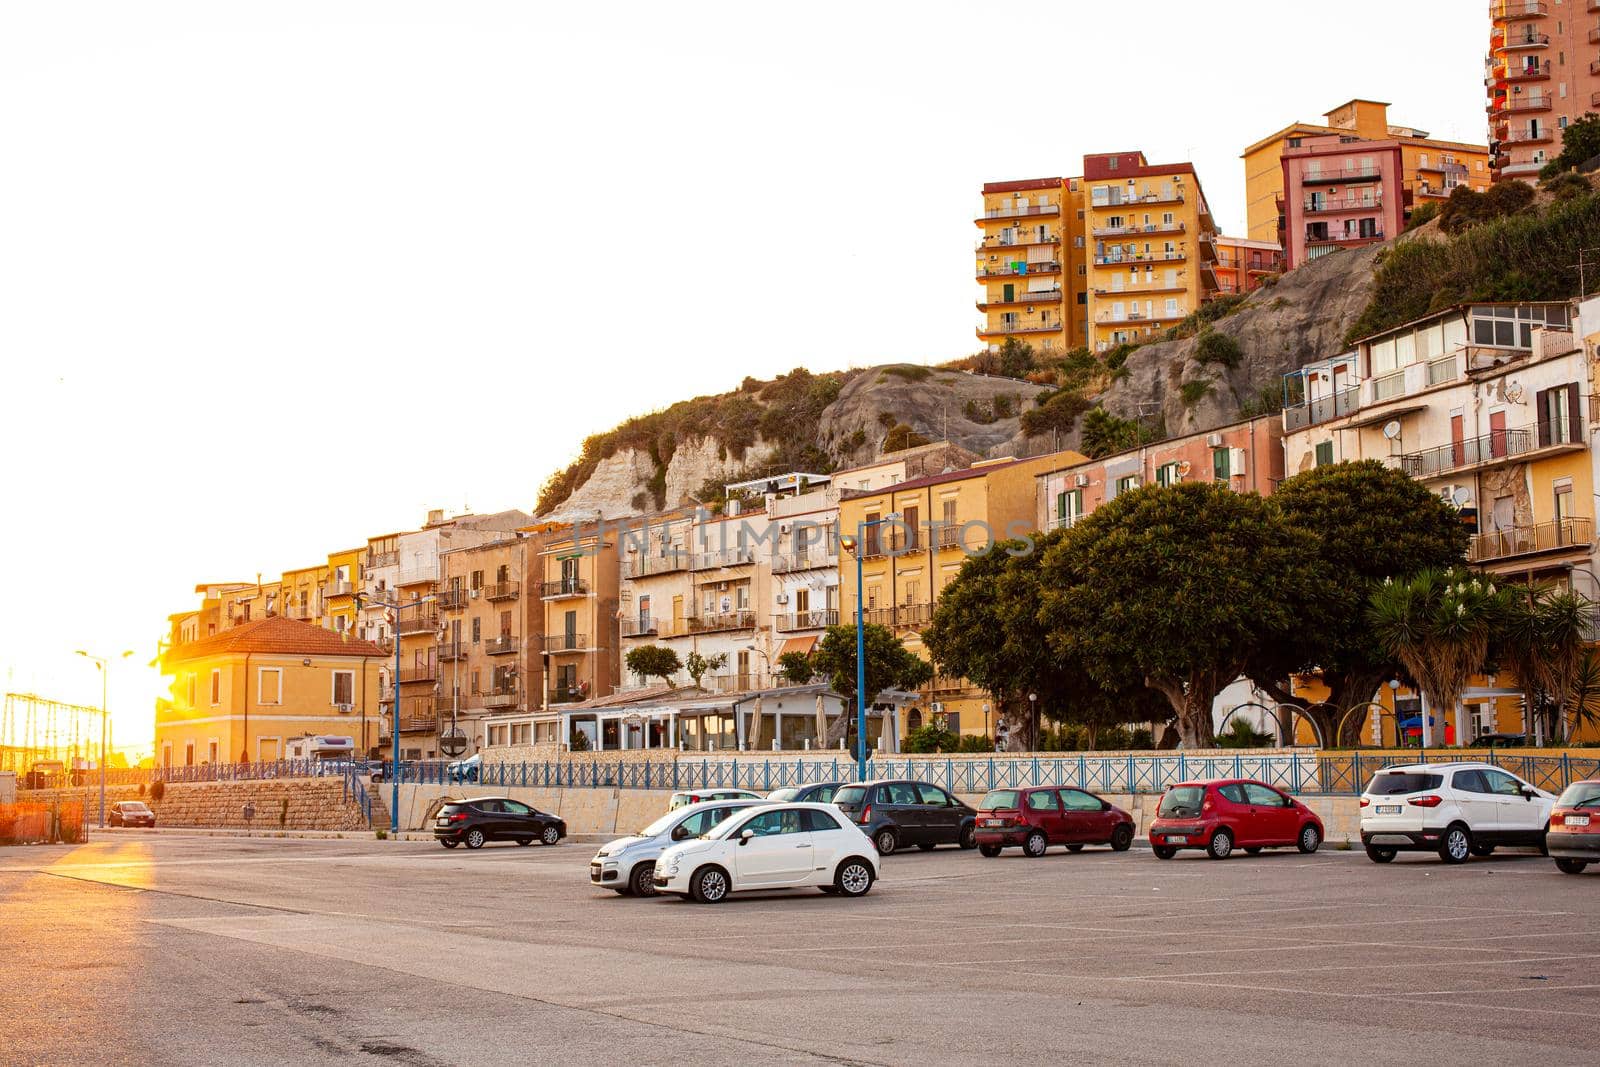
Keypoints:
(828, 841)
(1009, 296)
(941, 818)
(1237, 814)
(778, 853)
(1497, 434)
(1519, 815)
(1477, 803)
(677, 615)
(1044, 811)
(1085, 817)
(491, 818)
(900, 804)
(1272, 812)
(1458, 448)
(520, 819)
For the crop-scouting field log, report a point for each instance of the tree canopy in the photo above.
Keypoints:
(653, 661)
(889, 664)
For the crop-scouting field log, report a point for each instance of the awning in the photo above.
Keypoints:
(803, 645)
(1415, 722)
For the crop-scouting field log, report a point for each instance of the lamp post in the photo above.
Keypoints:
(394, 710)
(1033, 715)
(102, 662)
(853, 546)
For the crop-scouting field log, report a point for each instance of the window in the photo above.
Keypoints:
(1469, 782)
(344, 687)
(818, 822)
(1043, 800)
(1233, 792)
(1220, 470)
(269, 685)
(1501, 784)
(1324, 453)
(773, 823)
(897, 794)
(1263, 796)
(188, 753)
(211, 752)
(934, 796)
(1069, 507)
(1168, 475)
(1078, 800)
(216, 688)
(194, 695)
(477, 629)
(516, 807)
(1128, 483)
(1558, 415)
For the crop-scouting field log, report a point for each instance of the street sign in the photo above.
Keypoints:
(452, 743)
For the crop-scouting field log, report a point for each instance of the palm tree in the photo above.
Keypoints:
(1438, 624)
(1583, 699)
(1543, 640)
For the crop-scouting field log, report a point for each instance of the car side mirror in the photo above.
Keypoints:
(680, 832)
(744, 837)
(1105, 806)
(1529, 794)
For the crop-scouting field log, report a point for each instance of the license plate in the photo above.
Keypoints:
(992, 822)
(1179, 840)
(1577, 820)
(1388, 809)
(442, 822)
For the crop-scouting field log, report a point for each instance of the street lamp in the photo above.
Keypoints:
(1033, 714)
(102, 662)
(853, 545)
(394, 709)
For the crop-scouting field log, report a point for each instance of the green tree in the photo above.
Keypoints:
(930, 738)
(653, 661)
(795, 668)
(889, 664)
(1580, 142)
(699, 666)
(1179, 585)
(1105, 433)
(1543, 637)
(1366, 522)
(1583, 702)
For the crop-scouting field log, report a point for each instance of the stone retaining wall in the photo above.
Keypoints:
(279, 804)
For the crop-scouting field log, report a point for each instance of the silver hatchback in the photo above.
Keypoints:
(628, 864)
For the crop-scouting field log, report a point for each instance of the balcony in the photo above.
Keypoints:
(818, 560)
(1007, 329)
(419, 722)
(949, 536)
(880, 617)
(1323, 408)
(1519, 9)
(1139, 318)
(1528, 73)
(568, 694)
(1017, 270)
(1036, 296)
(449, 653)
(500, 698)
(727, 620)
(502, 590)
(1154, 227)
(382, 559)
(417, 622)
(1523, 105)
(564, 642)
(990, 244)
(425, 672)
(913, 616)
(1442, 192)
(1557, 535)
(1344, 237)
(1544, 136)
(1342, 175)
(1134, 292)
(640, 626)
(564, 588)
(1117, 260)
(503, 645)
(334, 589)
(1019, 211)
(806, 620)
(1518, 41)
(741, 556)
(1494, 447)
(1327, 207)
(452, 599)
(301, 614)
(643, 566)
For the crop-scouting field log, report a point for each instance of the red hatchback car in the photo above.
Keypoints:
(1574, 834)
(1038, 817)
(1231, 813)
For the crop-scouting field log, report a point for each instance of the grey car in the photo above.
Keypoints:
(628, 864)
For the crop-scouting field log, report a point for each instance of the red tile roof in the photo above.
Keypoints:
(274, 634)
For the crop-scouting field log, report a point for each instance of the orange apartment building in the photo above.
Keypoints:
(578, 569)
(1542, 71)
(1242, 263)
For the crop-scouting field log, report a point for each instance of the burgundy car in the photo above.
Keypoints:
(1038, 817)
(1574, 834)
(1231, 813)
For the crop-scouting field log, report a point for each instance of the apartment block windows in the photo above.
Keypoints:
(1221, 470)
(1563, 500)
(1127, 484)
(505, 624)
(216, 688)
(269, 685)
(1069, 507)
(194, 683)
(1558, 415)
(1324, 453)
(477, 630)
(344, 689)
(1168, 474)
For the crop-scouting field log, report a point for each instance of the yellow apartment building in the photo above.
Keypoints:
(248, 603)
(339, 612)
(1151, 246)
(1024, 266)
(943, 518)
(244, 693)
(1431, 168)
(486, 596)
(301, 590)
(578, 572)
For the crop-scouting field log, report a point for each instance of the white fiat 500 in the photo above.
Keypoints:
(628, 864)
(777, 846)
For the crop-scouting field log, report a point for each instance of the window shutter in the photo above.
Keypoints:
(1570, 430)
(1541, 405)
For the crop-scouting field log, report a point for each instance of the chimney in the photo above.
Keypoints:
(435, 516)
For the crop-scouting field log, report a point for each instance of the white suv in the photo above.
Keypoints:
(775, 846)
(1454, 809)
(628, 864)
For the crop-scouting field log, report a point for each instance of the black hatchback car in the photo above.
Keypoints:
(130, 813)
(899, 813)
(815, 793)
(480, 819)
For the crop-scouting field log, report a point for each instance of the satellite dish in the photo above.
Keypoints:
(1391, 429)
(1513, 392)
(1461, 496)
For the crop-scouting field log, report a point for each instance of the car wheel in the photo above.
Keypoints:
(524, 841)
(925, 847)
(643, 880)
(884, 841)
(1379, 854)
(1482, 850)
(989, 850)
(854, 878)
(1310, 839)
(1035, 844)
(1456, 845)
(1163, 852)
(550, 835)
(1074, 848)
(447, 843)
(475, 838)
(1122, 838)
(1221, 845)
(1569, 866)
(969, 836)
(709, 885)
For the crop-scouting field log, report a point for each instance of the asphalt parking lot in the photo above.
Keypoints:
(169, 948)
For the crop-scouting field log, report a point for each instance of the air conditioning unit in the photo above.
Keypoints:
(345, 709)
(784, 528)
(1214, 440)
(783, 598)
(1081, 480)
(473, 593)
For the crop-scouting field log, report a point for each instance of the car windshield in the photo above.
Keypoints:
(999, 798)
(1580, 795)
(784, 794)
(661, 825)
(850, 796)
(133, 806)
(1182, 800)
(1394, 783)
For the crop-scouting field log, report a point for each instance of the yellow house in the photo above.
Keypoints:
(943, 518)
(338, 593)
(245, 693)
(301, 590)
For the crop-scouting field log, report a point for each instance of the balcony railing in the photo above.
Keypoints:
(816, 560)
(1528, 137)
(806, 620)
(339, 589)
(452, 599)
(989, 244)
(1321, 409)
(985, 330)
(727, 620)
(913, 616)
(1118, 259)
(1018, 211)
(500, 698)
(565, 642)
(639, 626)
(1343, 174)
(1527, 72)
(1493, 447)
(1353, 203)
(1531, 539)
(417, 622)
(447, 653)
(641, 565)
(502, 590)
(1519, 9)
(1155, 227)
(1034, 296)
(500, 646)
(426, 672)
(420, 722)
(302, 614)
(728, 557)
(880, 617)
(1344, 237)
(565, 587)
(567, 694)
(1135, 317)
(1535, 40)
(1016, 270)
(382, 559)
(1518, 105)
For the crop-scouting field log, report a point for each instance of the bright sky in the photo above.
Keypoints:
(277, 277)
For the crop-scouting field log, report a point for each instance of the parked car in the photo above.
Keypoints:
(772, 846)
(1038, 817)
(465, 770)
(480, 819)
(628, 864)
(1574, 837)
(899, 813)
(131, 813)
(1455, 809)
(816, 793)
(698, 796)
(1219, 816)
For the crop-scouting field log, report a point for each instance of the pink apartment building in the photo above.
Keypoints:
(1338, 193)
(1541, 72)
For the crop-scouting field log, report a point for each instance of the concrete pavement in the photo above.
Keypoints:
(172, 949)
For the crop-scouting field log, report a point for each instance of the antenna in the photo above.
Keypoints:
(1583, 289)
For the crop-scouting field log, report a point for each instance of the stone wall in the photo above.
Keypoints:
(279, 804)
